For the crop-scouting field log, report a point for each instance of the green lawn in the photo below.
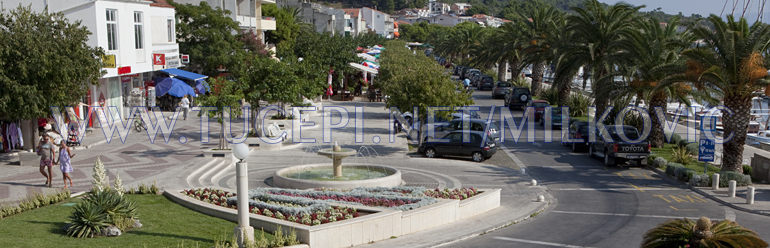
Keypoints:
(166, 224)
(666, 152)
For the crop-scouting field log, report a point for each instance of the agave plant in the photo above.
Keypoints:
(87, 220)
(703, 233)
(112, 203)
(682, 155)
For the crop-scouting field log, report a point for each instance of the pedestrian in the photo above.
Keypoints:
(65, 155)
(185, 103)
(466, 83)
(45, 150)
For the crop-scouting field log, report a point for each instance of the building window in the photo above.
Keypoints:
(170, 28)
(138, 30)
(112, 29)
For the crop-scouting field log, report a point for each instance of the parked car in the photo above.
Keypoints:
(539, 108)
(486, 82)
(478, 148)
(577, 130)
(518, 97)
(556, 118)
(615, 150)
(464, 73)
(501, 89)
(471, 74)
(456, 124)
(458, 69)
(439, 121)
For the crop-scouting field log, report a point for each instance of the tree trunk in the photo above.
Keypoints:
(565, 88)
(222, 142)
(502, 70)
(538, 69)
(732, 150)
(515, 71)
(657, 135)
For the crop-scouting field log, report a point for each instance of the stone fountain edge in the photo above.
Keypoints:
(281, 181)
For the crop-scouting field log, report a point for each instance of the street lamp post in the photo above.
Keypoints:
(244, 233)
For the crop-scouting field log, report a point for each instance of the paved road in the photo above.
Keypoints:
(598, 206)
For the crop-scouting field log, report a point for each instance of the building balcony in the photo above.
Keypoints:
(246, 21)
(267, 23)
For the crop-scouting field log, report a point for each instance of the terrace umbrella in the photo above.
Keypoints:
(174, 87)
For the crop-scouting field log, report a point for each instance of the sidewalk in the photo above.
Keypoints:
(761, 198)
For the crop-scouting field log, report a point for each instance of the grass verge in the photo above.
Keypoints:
(667, 152)
(165, 224)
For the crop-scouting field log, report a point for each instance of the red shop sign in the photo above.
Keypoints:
(124, 70)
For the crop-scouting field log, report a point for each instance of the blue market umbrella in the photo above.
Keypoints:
(174, 87)
(202, 86)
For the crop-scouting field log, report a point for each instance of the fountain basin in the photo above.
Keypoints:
(354, 176)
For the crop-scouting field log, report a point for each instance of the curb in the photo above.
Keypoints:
(707, 195)
(530, 215)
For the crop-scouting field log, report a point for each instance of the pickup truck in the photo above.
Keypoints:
(615, 150)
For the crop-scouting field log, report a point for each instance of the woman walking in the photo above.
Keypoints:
(45, 150)
(65, 154)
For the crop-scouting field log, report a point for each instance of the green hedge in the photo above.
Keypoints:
(740, 179)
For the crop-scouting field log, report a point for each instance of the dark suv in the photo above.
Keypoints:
(518, 97)
(616, 151)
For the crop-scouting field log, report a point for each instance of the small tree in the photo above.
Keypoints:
(224, 93)
(701, 234)
(99, 181)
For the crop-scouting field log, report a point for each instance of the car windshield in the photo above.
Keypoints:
(503, 84)
(540, 104)
(629, 132)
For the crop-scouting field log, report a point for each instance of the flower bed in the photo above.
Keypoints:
(302, 211)
(460, 194)
(358, 196)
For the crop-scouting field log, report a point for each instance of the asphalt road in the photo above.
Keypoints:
(598, 206)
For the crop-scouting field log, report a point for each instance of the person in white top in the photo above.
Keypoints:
(185, 103)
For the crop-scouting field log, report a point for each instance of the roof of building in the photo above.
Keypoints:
(352, 12)
(161, 3)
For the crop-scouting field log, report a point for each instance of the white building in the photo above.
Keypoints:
(438, 8)
(460, 8)
(137, 36)
(378, 22)
(248, 13)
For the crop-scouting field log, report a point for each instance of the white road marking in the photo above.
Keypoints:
(614, 189)
(729, 214)
(515, 159)
(626, 215)
(537, 242)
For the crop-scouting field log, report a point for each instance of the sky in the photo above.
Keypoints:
(702, 7)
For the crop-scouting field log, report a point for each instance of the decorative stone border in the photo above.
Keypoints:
(380, 225)
(392, 180)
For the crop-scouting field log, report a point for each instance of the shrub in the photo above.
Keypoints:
(675, 138)
(747, 169)
(551, 95)
(112, 203)
(578, 104)
(700, 180)
(740, 179)
(34, 201)
(682, 156)
(87, 220)
(672, 167)
(660, 162)
(692, 148)
(684, 174)
(682, 143)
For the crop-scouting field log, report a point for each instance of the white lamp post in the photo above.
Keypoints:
(244, 233)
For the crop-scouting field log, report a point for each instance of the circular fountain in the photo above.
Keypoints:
(334, 176)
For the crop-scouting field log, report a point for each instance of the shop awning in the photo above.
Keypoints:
(363, 68)
(184, 74)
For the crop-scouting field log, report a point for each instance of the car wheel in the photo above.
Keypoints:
(430, 152)
(607, 160)
(477, 157)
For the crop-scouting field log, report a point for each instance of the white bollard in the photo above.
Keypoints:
(750, 195)
(731, 192)
(540, 198)
(715, 181)
(534, 182)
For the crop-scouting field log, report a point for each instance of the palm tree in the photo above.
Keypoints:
(731, 66)
(598, 30)
(566, 64)
(540, 25)
(704, 233)
(653, 49)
